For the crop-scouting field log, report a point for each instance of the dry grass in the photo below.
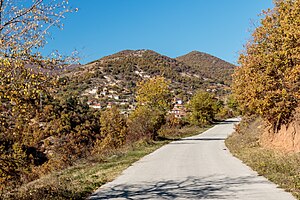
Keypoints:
(86, 176)
(282, 169)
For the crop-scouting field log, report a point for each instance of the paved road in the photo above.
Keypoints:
(198, 167)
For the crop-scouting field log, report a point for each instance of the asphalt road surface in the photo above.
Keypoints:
(198, 167)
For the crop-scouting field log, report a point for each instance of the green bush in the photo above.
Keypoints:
(203, 107)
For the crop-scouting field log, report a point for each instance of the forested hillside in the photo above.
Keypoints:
(120, 72)
(209, 66)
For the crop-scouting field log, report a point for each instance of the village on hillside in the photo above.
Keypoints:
(103, 98)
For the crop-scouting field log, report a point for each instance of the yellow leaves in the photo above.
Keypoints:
(113, 129)
(268, 81)
(154, 92)
(23, 27)
(6, 62)
(23, 30)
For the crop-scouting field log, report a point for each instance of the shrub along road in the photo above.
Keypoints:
(198, 167)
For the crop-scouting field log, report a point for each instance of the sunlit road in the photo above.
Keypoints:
(198, 167)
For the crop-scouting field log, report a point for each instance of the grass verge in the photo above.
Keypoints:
(86, 176)
(280, 168)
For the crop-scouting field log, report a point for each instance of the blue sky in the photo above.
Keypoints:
(170, 27)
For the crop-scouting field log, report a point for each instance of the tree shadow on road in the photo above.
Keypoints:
(229, 121)
(204, 139)
(212, 187)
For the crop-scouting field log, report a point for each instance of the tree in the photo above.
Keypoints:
(24, 26)
(203, 107)
(144, 122)
(113, 128)
(153, 102)
(24, 81)
(154, 93)
(268, 81)
(232, 104)
(23, 30)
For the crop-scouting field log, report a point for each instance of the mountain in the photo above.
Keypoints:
(113, 78)
(209, 66)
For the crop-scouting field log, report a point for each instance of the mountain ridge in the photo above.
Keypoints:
(209, 65)
(120, 72)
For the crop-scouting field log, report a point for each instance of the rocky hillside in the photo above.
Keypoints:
(209, 66)
(113, 78)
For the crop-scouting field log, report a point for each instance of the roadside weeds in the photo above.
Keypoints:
(280, 168)
(80, 180)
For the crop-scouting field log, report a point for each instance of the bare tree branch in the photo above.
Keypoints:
(26, 11)
(1, 10)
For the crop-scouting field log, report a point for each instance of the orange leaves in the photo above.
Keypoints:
(268, 81)
(24, 81)
(113, 129)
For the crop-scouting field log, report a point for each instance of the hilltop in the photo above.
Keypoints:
(209, 66)
(114, 77)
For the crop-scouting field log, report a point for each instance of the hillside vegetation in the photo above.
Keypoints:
(56, 114)
(279, 167)
(119, 73)
(268, 81)
(69, 132)
(267, 89)
(60, 128)
(209, 66)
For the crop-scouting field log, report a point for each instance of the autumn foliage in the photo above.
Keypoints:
(25, 85)
(203, 108)
(153, 102)
(113, 129)
(42, 130)
(268, 81)
(154, 93)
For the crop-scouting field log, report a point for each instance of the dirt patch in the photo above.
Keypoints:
(287, 139)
